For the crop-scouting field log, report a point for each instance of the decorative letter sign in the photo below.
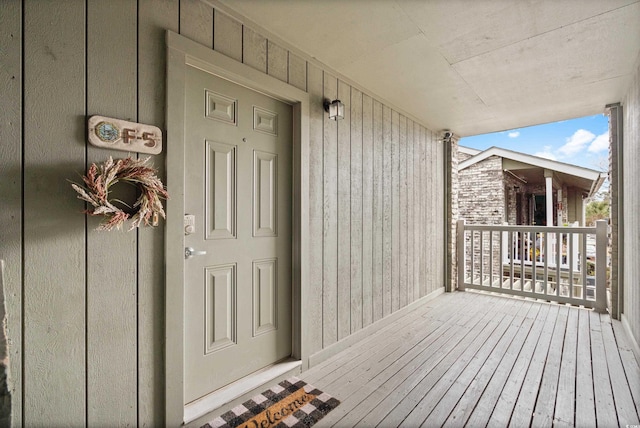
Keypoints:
(122, 135)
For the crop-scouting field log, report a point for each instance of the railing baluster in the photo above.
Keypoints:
(491, 258)
(518, 246)
(570, 255)
(502, 241)
(481, 257)
(558, 259)
(522, 259)
(511, 262)
(473, 262)
(584, 267)
(460, 243)
(547, 245)
(534, 260)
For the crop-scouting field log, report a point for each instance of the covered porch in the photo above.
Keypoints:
(477, 359)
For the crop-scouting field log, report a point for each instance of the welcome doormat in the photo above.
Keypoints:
(291, 403)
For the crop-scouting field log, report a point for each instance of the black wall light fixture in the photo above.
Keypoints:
(335, 109)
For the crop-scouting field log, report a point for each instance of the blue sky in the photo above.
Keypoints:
(583, 141)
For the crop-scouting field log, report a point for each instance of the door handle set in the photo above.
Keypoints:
(190, 252)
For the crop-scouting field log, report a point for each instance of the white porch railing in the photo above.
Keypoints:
(533, 261)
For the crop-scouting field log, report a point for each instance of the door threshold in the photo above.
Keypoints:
(227, 394)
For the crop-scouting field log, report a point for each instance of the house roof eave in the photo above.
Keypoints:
(535, 161)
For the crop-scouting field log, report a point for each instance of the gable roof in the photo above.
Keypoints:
(590, 174)
(593, 179)
(468, 150)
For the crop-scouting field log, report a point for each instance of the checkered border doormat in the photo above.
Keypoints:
(305, 416)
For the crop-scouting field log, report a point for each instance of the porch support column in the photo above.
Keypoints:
(548, 178)
(451, 211)
(560, 207)
(616, 183)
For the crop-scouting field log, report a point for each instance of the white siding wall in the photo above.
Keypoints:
(86, 309)
(631, 160)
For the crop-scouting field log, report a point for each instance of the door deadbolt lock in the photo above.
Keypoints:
(190, 252)
(189, 224)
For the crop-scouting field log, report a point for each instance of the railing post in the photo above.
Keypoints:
(505, 246)
(601, 266)
(460, 249)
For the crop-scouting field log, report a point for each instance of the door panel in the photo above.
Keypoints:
(219, 303)
(238, 154)
(220, 204)
(265, 296)
(265, 174)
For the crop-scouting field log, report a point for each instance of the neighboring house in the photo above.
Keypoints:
(500, 186)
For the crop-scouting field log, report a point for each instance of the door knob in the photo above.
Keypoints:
(190, 252)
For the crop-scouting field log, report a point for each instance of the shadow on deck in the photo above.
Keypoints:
(473, 359)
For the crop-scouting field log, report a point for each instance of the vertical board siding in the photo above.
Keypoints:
(424, 232)
(227, 35)
(395, 211)
(316, 207)
(411, 213)
(416, 211)
(93, 303)
(631, 247)
(441, 203)
(298, 72)
(356, 210)
(11, 191)
(277, 62)
(111, 312)
(367, 210)
(402, 211)
(344, 214)
(330, 220)
(378, 213)
(154, 18)
(254, 50)
(54, 230)
(196, 21)
(431, 209)
(387, 190)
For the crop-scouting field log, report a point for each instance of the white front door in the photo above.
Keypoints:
(237, 172)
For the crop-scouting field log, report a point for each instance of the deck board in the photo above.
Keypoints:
(585, 402)
(545, 404)
(565, 402)
(490, 396)
(503, 410)
(629, 363)
(473, 359)
(623, 400)
(605, 406)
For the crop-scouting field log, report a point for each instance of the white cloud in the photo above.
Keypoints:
(600, 144)
(514, 134)
(577, 142)
(546, 153)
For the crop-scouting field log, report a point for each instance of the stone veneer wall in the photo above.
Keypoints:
(481, 200)
(510, 185)
(481, 193)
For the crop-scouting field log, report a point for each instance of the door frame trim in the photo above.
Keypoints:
(181, 53)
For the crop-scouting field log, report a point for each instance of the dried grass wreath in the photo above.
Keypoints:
(134, 171)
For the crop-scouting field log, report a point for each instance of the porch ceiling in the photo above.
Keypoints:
(535, 176)
(472, 67)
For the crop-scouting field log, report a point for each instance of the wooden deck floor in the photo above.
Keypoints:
(471, 359)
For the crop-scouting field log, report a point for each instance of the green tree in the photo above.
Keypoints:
(597, 210)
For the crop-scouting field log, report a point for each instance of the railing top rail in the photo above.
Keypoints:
(523, 228)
